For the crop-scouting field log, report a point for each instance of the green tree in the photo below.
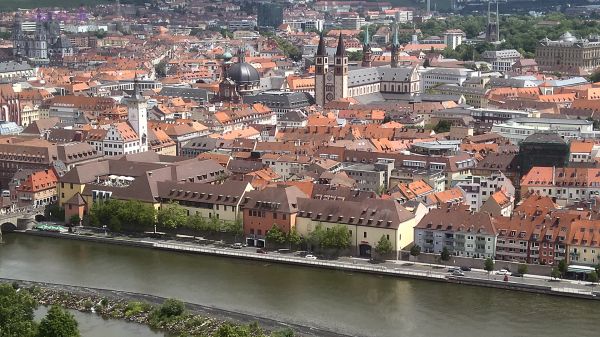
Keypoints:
(442, 126)
(415, 250)
(593, 277)
(171, 216)
(562, 267)
(445, 255)
(161, 69)
(522, 269)
(16, 313)
(337, 237)
(595, 77)
(555, 273)
(489, 265)
(54, 212)
(74, 219)
(58, 323)
(384, 246)
(120, 215)
(355, 55)
(275, 236)
(293, 238)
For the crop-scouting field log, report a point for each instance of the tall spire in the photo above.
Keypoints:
(341, 50)
(367, 52)
(321, 48)
(395, 42)
(497, 22)
(242, 54)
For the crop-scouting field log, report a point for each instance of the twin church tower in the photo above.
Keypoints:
(335, 81)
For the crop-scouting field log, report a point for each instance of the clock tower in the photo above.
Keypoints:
(321, 72)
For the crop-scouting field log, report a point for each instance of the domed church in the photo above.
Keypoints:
(239, 79)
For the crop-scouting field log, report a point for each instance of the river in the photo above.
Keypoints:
(350, 303)
(92, 325)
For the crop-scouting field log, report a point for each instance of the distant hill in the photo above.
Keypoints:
(11, 5)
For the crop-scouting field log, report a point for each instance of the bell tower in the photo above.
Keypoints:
(395, 49)
(367, 52)
(138, 115)
(341, 70)
(321, 70)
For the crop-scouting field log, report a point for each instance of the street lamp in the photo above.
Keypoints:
(104, 230)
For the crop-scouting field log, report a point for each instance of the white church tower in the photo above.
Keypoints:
(138, 115)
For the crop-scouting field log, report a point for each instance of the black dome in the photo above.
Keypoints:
(243, 73)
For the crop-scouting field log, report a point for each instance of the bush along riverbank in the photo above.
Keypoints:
(171, 316)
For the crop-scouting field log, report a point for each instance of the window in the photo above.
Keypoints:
(365, 235)
(274, 215)
(284, 216)
(388, 236)
(259, 232)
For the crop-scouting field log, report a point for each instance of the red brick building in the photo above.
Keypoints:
(273, 206)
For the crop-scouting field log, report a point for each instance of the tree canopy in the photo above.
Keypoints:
(384, 246)
(58, 323)
(120, 215)
(16, 313)
(171, 216)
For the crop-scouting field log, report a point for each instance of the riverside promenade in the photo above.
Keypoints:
(391, 268)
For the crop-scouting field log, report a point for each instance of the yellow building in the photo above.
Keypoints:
(583, 243)
(206, 200)
(367, 221)
(30, 114)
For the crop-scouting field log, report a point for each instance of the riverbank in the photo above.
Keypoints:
(532, 284)
(135, 307)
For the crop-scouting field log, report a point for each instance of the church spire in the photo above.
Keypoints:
(395, 48)
(341, 49)
(321, 50)
(367, 52)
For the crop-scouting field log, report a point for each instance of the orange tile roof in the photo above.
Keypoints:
(39, 181)
(581, 147)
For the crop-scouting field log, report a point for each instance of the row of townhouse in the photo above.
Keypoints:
(567, 185)
(536, 233)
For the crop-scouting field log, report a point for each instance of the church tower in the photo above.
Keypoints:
(341, 70)
(18, 38)
(321, 70)
(367, 52)
(138, 115)
(395, 49)
(40, 40)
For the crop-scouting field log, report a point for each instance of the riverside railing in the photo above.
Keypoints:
(301, 261)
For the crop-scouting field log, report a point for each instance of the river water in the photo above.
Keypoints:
(92, 325)
(350, 303)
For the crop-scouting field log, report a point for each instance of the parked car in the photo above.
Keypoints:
(502, 272)
(516, 274)
(452, 269)
(261, 251)
(310, 257)
(465, 268)
(237, 245)
(301, 253)
(457, 272)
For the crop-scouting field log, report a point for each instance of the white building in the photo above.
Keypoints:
(516, 130)
(454, 38)
(432, 77)
(501, 60)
